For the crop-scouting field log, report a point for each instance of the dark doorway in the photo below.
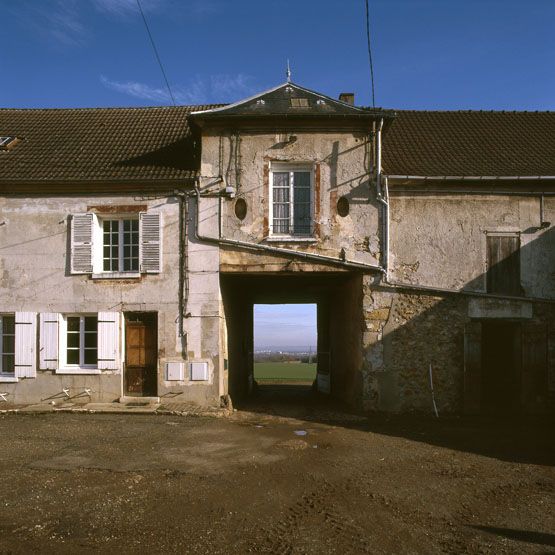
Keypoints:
(501, 367)
(141, 348)
(338, 298)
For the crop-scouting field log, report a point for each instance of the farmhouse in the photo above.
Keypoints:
(134, 243)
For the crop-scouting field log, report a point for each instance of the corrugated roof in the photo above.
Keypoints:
(99, 144)
(470, 143)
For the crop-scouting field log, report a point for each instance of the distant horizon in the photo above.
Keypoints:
(285, 327)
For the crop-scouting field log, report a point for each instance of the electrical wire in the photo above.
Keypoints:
(369, 53)
(155, 51)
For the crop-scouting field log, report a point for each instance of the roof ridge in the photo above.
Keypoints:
(471, 111)
(109, 108)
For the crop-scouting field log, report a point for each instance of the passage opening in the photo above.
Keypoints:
(285, 345)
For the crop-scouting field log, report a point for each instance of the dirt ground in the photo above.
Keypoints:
(275, 480)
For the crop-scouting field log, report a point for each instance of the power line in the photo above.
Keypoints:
(369, 54)
(156, 51)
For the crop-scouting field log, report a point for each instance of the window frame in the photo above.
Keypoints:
(82, 367)
(291, 168)
(3, 373)
(120, 244)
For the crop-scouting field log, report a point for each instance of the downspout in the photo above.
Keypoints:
(383, 198)
(313, 257)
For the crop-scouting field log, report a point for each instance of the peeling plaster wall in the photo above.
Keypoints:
(34, 276)
(342, 163)
(439, 241)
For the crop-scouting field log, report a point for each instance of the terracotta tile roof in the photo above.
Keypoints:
(99, 144)
(470, 143)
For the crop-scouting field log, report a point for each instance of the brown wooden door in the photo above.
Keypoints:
(140, 355)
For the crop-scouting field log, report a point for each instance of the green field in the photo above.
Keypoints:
(284, 371)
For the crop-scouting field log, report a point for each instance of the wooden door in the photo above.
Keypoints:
(141, 355)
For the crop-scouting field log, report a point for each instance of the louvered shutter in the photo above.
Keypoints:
(108, 340)
(472, 367)
(25, 344)
(48, 340)
(551, 359)
(82, 243)
(150, 242)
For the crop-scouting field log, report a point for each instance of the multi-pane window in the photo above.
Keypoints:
(7, 344)
(292, 203)
(82, 340)
(120, 245)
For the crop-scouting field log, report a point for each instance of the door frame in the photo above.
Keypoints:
(124, 395)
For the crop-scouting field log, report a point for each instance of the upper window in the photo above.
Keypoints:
(503, 264)
(116, 247)
(7, 345)
(120, 245)
(291, 207)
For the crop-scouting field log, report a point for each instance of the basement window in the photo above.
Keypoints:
(292, 200)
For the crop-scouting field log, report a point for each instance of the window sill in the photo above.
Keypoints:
(117, 275)
(78, 370)
(8, 379)
(290, 239)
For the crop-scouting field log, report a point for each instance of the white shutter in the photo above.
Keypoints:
(48, 341)
(82, 243)
(108, 340)
(150, 242)
(25, 344)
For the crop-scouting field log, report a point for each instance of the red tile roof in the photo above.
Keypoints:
(99, 144)
(470, 143)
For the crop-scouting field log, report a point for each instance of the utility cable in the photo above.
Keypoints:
(155, 51)
(369, 53)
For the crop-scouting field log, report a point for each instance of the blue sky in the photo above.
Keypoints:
(285, 326)
(429, 54)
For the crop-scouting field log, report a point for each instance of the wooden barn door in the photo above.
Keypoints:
(141, 347)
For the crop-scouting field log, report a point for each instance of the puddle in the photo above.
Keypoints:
(300, 432)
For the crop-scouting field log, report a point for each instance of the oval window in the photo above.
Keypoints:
(343, 206)
(241, 208)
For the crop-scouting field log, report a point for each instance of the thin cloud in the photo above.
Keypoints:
(127, 7)
(59, 23)
(212, 89)
(137, 90)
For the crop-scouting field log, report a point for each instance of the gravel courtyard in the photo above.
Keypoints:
(256, 482)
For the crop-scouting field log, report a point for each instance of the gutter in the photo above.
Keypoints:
(474, 177)
(312, 257)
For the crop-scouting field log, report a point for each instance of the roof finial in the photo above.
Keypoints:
(288, 72)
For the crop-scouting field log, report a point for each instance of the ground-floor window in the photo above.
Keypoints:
(7, 345)
(80, 340)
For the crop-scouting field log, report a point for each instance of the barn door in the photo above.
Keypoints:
(472, 367)
(534, 364)
(141, 368)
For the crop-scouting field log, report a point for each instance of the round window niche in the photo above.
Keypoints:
(343, 206)
(241, 208)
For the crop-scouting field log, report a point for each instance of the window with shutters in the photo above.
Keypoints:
(291, 207)
(7, 345)
(111, 247)
(79, 341)
(503, 263)
(120, 245)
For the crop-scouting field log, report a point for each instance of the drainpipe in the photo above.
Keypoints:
(383, 198)
(313, 257)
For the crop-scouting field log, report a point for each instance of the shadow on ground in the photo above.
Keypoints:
(507, 438)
